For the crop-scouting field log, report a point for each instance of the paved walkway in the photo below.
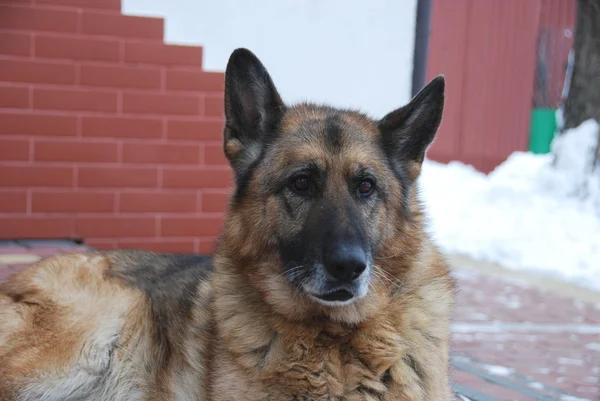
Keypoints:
(534, 336)
(512, 340)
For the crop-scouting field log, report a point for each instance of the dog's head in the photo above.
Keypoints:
(322, 194)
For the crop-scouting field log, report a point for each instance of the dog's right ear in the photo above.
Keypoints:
(253, 109)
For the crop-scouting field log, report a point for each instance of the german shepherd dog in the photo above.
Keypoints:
(324, 285)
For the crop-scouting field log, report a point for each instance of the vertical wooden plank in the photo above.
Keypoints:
(447, 50)
(498, 85)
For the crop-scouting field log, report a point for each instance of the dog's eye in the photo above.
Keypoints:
(366, 187)
(301, 183)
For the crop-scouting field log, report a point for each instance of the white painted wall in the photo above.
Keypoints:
(349, 53)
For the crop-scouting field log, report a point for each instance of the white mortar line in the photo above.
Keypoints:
(503, 327)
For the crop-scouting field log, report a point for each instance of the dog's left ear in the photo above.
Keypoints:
(253, 109)
(408, 131)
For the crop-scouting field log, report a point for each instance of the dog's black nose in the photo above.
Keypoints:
(346, 262)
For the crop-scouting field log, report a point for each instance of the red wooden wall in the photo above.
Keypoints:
(106, 133)
(488, 50)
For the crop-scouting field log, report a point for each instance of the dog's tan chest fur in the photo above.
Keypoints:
(398, 354)
(348, 364)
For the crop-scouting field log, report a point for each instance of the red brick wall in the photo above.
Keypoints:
(106, 133)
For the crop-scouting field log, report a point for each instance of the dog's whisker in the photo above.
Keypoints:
(292, 272)
(386, 274)
(382, 277)
(389, 257)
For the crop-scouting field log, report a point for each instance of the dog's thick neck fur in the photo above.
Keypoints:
(384, 346)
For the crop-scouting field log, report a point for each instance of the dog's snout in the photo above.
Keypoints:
(346, 262)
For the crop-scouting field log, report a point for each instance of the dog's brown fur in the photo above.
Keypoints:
(129, 325)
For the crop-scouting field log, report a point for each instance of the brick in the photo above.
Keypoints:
(14, 268)
(140, 152)
(213, 106)
(45, 251)
(190, 227)
(74, 151)
(13, 202)
(19, 2)
(120, 77)
(114, 5)
(44, 72)
(160, 245)
(121, 127)
(37, 124)
(160, 53)
(197, 130)
(14, 96)
(72, 202)
(204, 246)
(76, 48)
(15, 44)
(36, 227)
(213, 155)
(166, 104)
(115, 227)
(121, 26)
(157, 202)
(117, 177)
(35, 176)
(74, 100)
(14, 149)
(195, 80)
(4, 273)
(197, 178)
(38, 19)
(72, 248)
(102, 244)
(215, 202)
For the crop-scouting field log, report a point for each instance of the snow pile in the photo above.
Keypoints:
(530, 213)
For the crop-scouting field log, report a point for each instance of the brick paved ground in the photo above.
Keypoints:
(503, 328)
(545, 339)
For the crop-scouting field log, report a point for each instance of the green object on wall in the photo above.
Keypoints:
(543, 127)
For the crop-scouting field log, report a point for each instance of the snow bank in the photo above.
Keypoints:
(526, 214)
